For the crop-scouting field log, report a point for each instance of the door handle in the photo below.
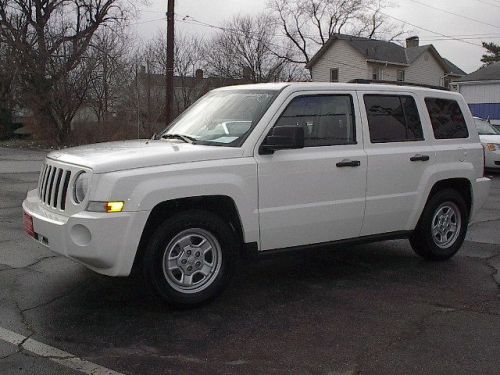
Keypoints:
(348, 163)
(419, 157)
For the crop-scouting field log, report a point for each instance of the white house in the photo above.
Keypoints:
(481, 90)
(347, 58)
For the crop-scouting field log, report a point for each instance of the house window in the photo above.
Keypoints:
(377, 73)
(334, 75)
(401, 75)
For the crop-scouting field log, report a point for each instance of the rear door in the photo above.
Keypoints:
(315, 194)
(399, 154)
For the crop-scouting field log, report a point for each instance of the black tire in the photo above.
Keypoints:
(159, 279)
(422, 240)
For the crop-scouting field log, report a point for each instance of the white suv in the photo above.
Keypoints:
(259, 168)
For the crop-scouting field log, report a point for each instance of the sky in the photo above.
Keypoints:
(473, 21)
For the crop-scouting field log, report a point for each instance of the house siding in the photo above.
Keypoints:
(477, 93)
(425, 70)
(350, 63)
(389, 72)
(483, 99)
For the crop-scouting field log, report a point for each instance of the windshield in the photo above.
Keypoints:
(222, 118)
(484, 128)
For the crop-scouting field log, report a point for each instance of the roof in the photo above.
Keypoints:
(324, 86)
(414, 53)
(487, 73)
(453, 69)
(384, 51)
(371, 49)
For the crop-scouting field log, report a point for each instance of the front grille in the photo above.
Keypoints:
(53, 186)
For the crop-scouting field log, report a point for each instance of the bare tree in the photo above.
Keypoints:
(189, 56)
(112, 73)
(309, 24)
(51, 39)
(8, 73)
(247, 44)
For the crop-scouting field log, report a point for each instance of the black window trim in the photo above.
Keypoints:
(355, 135)
(430, 118)
(395, 141)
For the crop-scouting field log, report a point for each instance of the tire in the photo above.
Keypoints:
(190, 258)
(443, 211)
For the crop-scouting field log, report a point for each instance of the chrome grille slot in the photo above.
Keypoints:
(57, 192)
(53, 186)
(40, 181)
(65, 190)
(47, 176)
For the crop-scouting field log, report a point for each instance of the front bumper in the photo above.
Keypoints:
(105, 243)
(492, 159)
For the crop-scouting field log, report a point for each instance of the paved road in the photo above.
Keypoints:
(372, 309)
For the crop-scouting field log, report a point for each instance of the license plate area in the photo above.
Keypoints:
(42, 239)
(28, 225)
(30, 230)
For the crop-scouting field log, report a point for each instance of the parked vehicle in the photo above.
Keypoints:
(258, 168)
(490, 138)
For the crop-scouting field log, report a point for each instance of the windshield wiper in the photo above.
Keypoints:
(185, 138)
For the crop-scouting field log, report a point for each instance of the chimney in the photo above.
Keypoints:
(199, 74)
(412, 42)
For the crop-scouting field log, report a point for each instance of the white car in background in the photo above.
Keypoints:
(490, 138)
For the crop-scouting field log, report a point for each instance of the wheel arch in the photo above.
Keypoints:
(462, 185)
(221, 205)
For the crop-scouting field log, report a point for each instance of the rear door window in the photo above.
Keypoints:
(447, 119)
(393, 118)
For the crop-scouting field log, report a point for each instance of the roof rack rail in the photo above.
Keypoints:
(397, 83)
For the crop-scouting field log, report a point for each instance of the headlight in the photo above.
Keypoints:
(81, 187)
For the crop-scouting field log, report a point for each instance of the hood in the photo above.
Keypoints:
(490, 139)
(116, 156)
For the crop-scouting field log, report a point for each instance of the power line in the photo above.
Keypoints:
(454, 14)
(439, 37)
(491, 5)
(147, 21)
(191, 20)
(425, 29)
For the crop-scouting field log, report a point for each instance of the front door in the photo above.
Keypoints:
(315, 194)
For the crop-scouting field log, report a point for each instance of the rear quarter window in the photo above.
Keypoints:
(447, 119)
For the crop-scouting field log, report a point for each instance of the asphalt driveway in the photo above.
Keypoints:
(371, 309)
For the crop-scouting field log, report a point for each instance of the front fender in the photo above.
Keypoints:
(142, 189)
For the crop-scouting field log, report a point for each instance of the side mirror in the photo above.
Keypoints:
(282, 138)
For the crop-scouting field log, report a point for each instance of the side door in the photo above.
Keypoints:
(399, 155)
(315, 194)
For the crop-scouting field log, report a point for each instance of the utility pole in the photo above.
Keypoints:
(170, 62)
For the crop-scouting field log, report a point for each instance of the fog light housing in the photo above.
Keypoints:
(109, 207)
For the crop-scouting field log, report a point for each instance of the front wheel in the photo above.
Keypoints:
(190, 258)
(442, 227)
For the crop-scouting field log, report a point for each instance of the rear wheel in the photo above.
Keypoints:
(190, 258)
(442, 227)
